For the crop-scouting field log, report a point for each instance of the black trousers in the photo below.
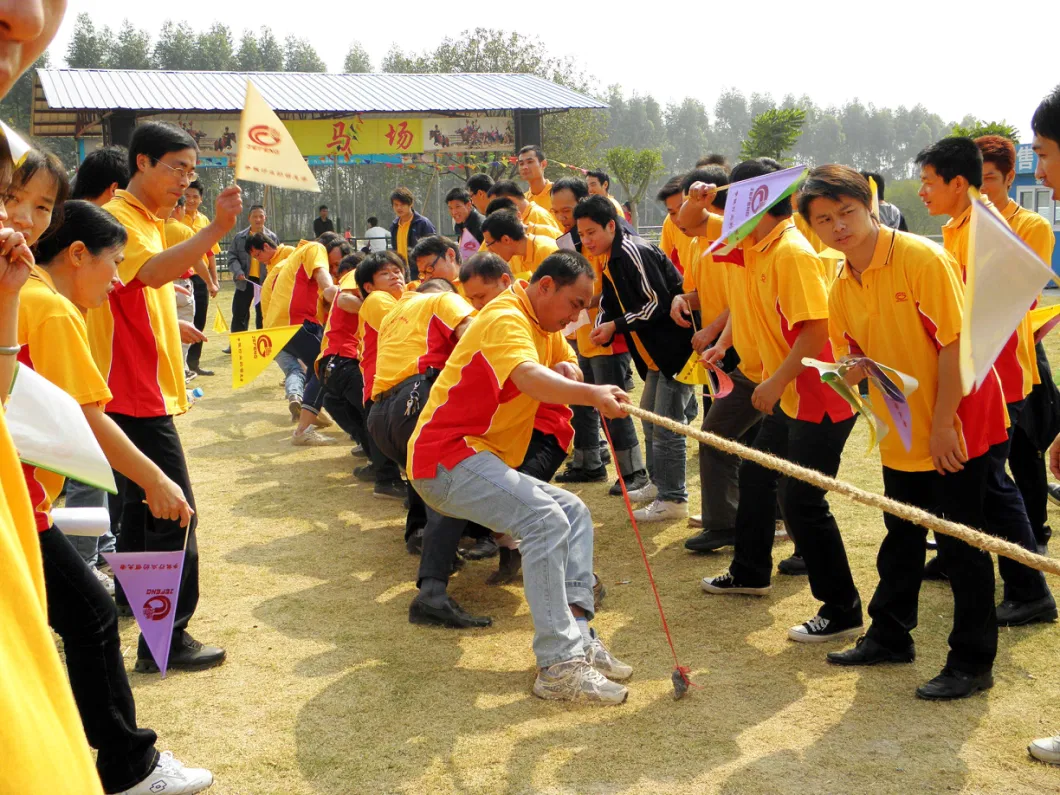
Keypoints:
(241, 301)
(82, 614)
(343, 388)
(543, 458)
(805, 509)
(157, 438)
(1027, 463)
(957, 496)
(202, 303)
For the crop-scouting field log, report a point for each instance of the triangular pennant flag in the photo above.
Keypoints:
(257, 293)
(19, 148)
(748, 201)
(566, 242)
(571, 328)
(1004, 278)
(267, 152)
(830, 374)
(50, 431)
(468, 244)
(1044, 319)
(693, 372)
(253, 350)
(219, 323)
(151, 582)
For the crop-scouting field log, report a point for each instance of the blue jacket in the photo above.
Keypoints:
(420, 228)
(239, 259)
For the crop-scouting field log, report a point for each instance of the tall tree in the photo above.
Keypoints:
(971, 127)
(271, 52)
(634, 171)
(300, 56)
(248, 56)
(732, 120)
(15, 107)
(132, 49)
(89, 48)
(773, 133)
(357, 59)
(175, 48)
(687, 134)
(213, 49)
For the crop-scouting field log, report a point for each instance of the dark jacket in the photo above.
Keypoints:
(420, 228)
(320, 226)
(473, 224)
(645, 283)
(239, 259)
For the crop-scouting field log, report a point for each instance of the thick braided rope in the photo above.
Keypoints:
(975, 538)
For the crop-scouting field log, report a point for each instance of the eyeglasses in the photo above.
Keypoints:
(426, 272)
(182, 173)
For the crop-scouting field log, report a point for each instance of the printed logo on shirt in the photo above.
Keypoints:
(157, 607)
(264, 346)
(900, 297)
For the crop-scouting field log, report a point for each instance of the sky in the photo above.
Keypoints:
(901, 52)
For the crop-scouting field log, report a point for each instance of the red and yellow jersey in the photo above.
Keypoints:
(540, 221)
(539, 247)
(134, 336)
(377, 304)
(267, 286)
(542, 199)
(41, 732)
(1037, 233)
(419, 332)
(293, 297)
(177, 233)
(675, 244)
(908, 306)
(474, 407)
(788, 286)
(342, 333)
(197, 223)
(54, 341)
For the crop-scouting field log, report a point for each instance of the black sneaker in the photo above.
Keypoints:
(866, 651)
(711, 540)
(186, 655)
(1018, 614)
(482, 549)
(951, 684)
(794, 566)
(365, 473)
(820, 629)
(226, 350)
(726, 584)
(390, 490)
(202, 371)
(634, 482)
(573, 474)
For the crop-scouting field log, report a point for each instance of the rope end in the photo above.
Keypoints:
(681, 681)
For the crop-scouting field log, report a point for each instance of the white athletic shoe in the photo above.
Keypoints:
(646, 494)
(170, 777)
(605, 662)
(661, 511)
(1046, 750)
(574, 680)
(104, 580)
(311, 438)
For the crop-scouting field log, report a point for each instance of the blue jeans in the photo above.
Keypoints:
(556, 531)
(78, 495)
(294, 375)
(617, 371)
(665, 450)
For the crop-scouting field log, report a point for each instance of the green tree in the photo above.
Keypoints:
(89, 48)
(132, 49)
(773, 133)
(15, 107)
(971, 127)
(732, 120)
(175, 47)
(357, 59)
(248, 56)
(687, 134)
(271, 52)
(213, 49)
(903, 194)
(300, 56)
(634, 170)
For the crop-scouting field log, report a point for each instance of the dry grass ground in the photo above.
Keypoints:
(328, 689)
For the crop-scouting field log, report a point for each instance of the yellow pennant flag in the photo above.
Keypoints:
(875, 191)
(267, 152)
(693, 373)
(19, 148)
(1004, 278)
(253, 350)
(219, 323)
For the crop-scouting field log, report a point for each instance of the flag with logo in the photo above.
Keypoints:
(267, 152)
(219, 323)
(748, 201)
(468, 244)
(253, 350)
(1003, 280)
(257, 293)
(151, 582)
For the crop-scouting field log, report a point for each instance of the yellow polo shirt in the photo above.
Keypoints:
(542, 199)
(267, 286)
(540, 221)
(1037, 233)
(198, 222)
(293, 297)
(402, 242)
(377, 304)
(539, 248)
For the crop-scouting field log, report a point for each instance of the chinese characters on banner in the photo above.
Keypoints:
(357, 135)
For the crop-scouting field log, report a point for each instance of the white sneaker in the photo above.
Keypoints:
(104, 580)
(662, 511)
(311, 438)
(170, 777)
(1046, 750)
(646, 494)
(605, 662)
(573, 680)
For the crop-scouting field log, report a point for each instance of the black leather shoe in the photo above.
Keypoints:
(202, 371)
(414, 543)
(365, 474)
(933, 570)
(1018, 614)
(866, 651)
(574, 474)
(511, 560)
(711, 540)
(189, 655)
(482, 549)
(634, 481)
(951, 684)
(794, 566)
(452, 616)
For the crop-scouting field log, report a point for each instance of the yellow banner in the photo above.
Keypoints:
(253, 350)
(219, 323)
(357, 135)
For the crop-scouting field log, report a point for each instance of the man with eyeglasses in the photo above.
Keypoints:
(135, 342)
(437, 257)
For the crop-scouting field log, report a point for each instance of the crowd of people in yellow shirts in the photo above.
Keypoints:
(467, 380)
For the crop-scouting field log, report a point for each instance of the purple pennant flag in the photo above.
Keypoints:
(151, 581)
(257, 293)
(468, 244)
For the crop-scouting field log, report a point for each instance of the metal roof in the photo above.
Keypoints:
(63, 95)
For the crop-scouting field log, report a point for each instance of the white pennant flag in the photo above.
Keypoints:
(748, 201)
(267, 152)
(1004, 278)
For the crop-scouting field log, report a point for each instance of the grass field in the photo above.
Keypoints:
(329, 689)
